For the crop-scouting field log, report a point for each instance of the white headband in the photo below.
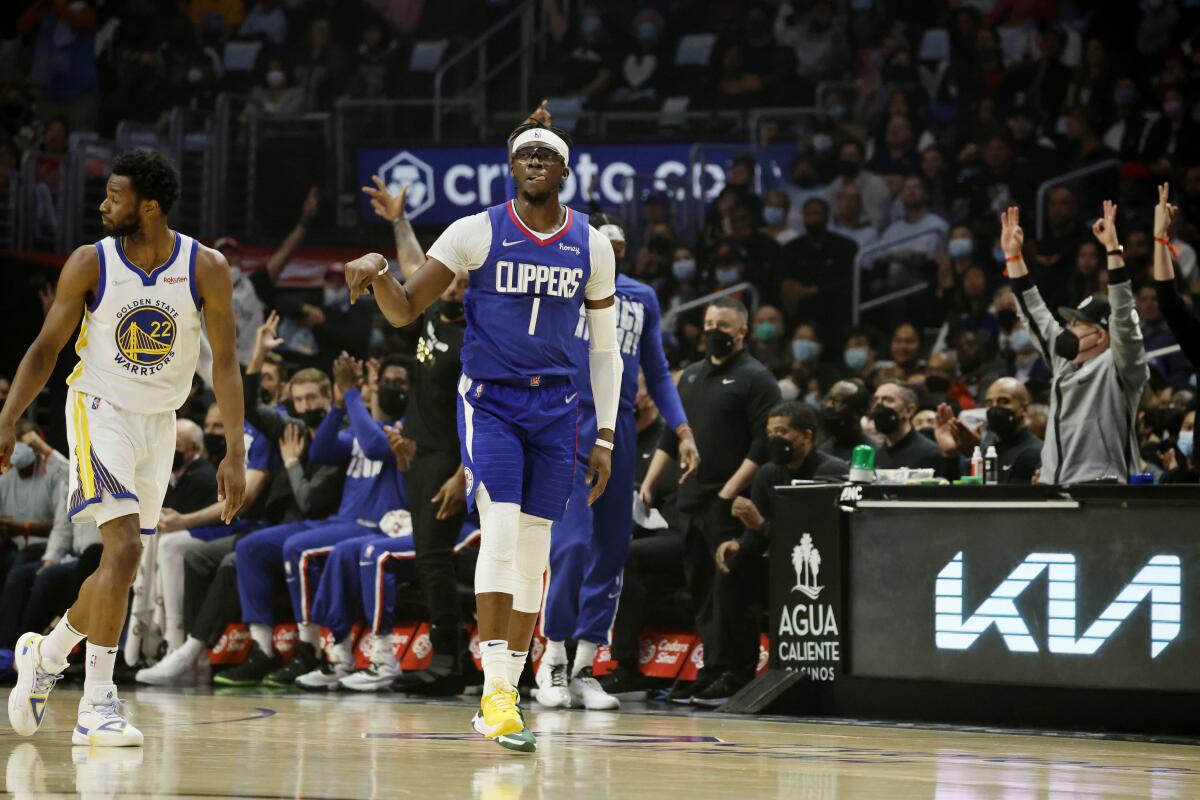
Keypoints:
(544, 137)
(612, 232)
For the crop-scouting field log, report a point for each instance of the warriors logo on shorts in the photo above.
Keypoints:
(146, 336)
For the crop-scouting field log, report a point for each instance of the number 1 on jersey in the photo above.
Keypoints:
(537, 302)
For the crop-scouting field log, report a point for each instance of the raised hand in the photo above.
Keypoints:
(267, 337)
(309, 209)
(541, 114)
(385, 204)
(1164, 212)
(944, 431)
(1012, 238)
(1105, 228)
(291, 443)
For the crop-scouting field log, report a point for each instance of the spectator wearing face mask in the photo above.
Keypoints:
(1018, 450)
(807, 373)
(858, 354)
(193, 477)
(767, 341)
(1179, 463)
(776, 208)
(817, 272)
(32, 501)
(276, 95)
(841, 419)
(1098, 362)
(892, 411)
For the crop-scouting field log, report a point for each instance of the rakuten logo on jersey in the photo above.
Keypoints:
(535, 279)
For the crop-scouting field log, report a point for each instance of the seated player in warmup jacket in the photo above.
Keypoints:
(373, 487)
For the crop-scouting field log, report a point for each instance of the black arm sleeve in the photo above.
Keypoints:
(1182, 322)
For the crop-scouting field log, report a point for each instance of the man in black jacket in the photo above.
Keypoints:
(892, 411)
(726, 397)
(193, 477)
(1018, 451)
(841, 418)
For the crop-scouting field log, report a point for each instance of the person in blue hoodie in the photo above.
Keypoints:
(374, 487)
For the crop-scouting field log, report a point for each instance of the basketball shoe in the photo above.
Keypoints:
(27, 700)
(553, 690)
(100, 723)
(498, 709)
(383, 672)
(586, 691)
(181, 667)
(251, 671)
(523, 741)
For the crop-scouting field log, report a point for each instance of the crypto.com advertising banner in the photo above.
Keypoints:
(446, 183)
(1100, 596)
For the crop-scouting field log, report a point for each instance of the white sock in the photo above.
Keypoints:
(516, 665)
(556, 653)
(173, 632)
(585, 656)
(192, 649)
(495, 658)
(310, 633)
(263, 636)
(99, 666)
(342, 652)
(57, 645)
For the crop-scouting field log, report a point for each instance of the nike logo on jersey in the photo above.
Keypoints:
(507, 243)
(535, 279)
(727, 381)
(571, 397)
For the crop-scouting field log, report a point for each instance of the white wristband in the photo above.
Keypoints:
(607, 445)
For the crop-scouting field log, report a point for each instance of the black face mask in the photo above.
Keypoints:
(929, 433)
(815, 230)
(1066, 345)
(393, 400)
(451, 310)
(1001, 421)
(936, 384)
(312, 418)
(264, 396)
(718, 343)
(177, 461)
(886, 420)
(848, 169)
(1007, 318)
(838, 425)
(780, 450)
(214, 445)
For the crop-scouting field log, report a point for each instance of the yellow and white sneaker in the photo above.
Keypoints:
(498, 707)
(27, 700)
(100, 723)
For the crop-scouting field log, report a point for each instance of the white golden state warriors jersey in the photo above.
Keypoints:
(141, 333)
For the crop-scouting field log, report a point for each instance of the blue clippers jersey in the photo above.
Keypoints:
(374, 485)
(640, 341)
(523, 303)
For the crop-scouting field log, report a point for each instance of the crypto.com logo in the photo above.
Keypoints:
(1160, 580)
(404, 168)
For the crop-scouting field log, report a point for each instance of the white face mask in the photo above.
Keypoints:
(276, 78)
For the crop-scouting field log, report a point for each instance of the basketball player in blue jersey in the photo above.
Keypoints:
(140, 293)
(532, 264)
(589, 545)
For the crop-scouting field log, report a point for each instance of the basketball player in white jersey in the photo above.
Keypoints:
(140, 292)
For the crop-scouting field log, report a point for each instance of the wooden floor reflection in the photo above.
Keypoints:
(285, 745)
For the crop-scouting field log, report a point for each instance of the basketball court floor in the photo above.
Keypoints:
(259, 745)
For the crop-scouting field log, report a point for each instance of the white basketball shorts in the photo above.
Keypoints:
(120, 461)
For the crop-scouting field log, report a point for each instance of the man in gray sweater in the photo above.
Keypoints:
(1098, 363)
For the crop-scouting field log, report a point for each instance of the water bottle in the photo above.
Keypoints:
(977, 464)
(991, 467)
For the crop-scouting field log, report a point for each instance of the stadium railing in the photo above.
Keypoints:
(1067, 177)
(670, 317)
(861, 262)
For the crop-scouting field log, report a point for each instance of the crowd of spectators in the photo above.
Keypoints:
(948, 117)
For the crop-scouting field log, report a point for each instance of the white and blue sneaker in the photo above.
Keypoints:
(27, 700)
(100, 723)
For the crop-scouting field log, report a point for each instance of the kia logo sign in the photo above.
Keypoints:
(1159, 581)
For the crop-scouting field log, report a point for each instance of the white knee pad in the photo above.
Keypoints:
(533, 554)
(499, 524)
